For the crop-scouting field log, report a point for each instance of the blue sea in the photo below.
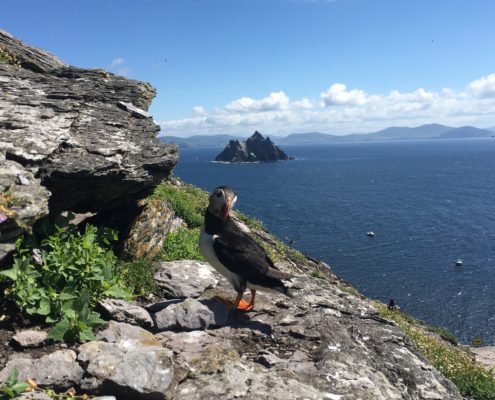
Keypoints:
(428, 202)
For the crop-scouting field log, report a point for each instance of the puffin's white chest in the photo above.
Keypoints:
(206, 247)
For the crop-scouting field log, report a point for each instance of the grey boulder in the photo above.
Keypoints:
(30, 338)
(184, 278)
(131, 363)
(123, 311)
(188, 315)
(138, 372)
(58, 370)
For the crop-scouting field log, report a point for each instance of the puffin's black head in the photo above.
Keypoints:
(222, 200)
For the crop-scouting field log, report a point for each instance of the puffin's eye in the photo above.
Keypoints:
(218, 193)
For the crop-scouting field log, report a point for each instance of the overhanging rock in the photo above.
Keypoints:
(69, 127)
(81, 138)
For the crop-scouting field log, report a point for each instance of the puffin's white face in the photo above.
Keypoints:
(222, 200)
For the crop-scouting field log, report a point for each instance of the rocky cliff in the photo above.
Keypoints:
(254, 149)
(328, 342)
(71, 139)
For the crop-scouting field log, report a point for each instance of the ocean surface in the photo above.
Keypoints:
(428, 202)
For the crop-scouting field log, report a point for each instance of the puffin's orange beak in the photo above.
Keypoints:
(226, 209)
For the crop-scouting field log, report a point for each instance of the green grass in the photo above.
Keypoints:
(472, 379)
(138, 276)
(181, 244)
(188, 202)
(251, 222)
(348, 289)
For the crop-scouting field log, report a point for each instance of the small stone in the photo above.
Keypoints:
(188, 315)
(123, 311)
(270, 360)
(184, 278)
(104, 398)
(121, 332)
(30, 338)
(58, 370)
(22, 180)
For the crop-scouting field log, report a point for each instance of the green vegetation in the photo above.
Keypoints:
(348, 289)
(12, 387)
(187, 201)
(317, 274)
(182, 244)
(473, 380)
(138, 277)
(251, 222)
(445, 334)
(7, 57)
(64, 279)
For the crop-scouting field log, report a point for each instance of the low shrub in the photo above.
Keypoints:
(138, 276)
(182, 244)
(63, 280)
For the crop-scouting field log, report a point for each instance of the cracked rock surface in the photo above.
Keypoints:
(325, 343)
(84, 135)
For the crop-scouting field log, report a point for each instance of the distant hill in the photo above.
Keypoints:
(491, 128)
(419, 132)
(306, 138)
(466, 132)
(200, 140)
(428, 131)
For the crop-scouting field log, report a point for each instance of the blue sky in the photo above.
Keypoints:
(282, 66)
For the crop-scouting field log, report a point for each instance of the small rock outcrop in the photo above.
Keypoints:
(147, 233)
(254, 149)
(71, 139)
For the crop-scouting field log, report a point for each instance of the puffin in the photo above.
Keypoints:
(235, 254)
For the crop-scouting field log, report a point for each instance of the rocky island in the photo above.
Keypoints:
(82, 141)
(254, 149)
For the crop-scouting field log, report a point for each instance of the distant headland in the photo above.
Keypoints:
(255, 149)
(428, 131)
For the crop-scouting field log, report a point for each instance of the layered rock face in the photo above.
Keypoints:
(254, 149)
(80, 139)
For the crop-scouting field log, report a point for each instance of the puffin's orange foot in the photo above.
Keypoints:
(243, 305)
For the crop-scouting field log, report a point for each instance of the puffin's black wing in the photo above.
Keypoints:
(243, 256)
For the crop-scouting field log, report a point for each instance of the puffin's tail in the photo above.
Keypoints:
(284, 290)
(275, 278)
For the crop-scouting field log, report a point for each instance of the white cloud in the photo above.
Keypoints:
(275, 101)
(116, 62)
(337, 95)
(340, 111)
(124, 71)
(304, 103)
(483, 87)
(118, 67)
(199, 110)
